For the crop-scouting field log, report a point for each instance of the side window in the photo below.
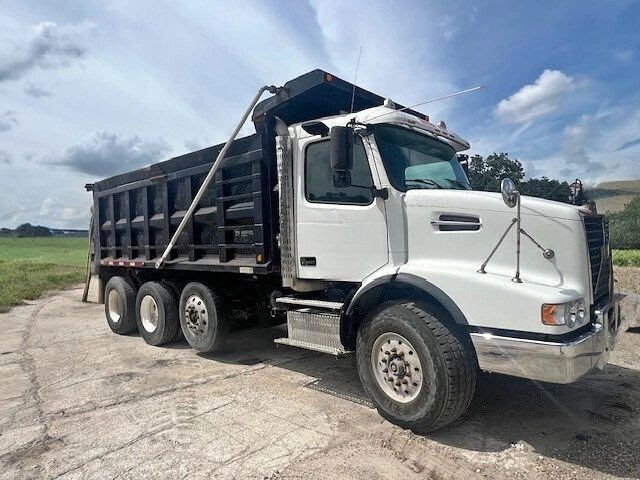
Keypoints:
(318, 176)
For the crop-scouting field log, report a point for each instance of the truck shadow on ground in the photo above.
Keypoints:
(593, 423)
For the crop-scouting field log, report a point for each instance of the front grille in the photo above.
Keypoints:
(597, 229)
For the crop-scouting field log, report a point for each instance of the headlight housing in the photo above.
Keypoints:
(569, 313)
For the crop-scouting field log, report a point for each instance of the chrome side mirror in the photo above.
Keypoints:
(509, 192)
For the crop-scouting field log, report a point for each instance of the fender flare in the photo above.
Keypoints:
(414, 281)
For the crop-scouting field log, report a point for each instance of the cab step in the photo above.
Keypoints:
(313, 330)
(324, 304)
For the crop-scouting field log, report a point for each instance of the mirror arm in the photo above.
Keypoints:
(383, 193)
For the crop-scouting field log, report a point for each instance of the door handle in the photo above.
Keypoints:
(308, 261)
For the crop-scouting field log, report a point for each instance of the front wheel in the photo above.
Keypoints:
(419, 371)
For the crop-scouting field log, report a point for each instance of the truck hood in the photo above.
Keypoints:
(553, 225)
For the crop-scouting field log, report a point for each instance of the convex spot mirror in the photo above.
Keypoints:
(316, 128)
(509, 192)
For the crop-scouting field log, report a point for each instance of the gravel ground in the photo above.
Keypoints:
(80, 402)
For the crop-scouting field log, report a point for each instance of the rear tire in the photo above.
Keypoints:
(120, 305)
(203, 319)
(157, 313)
(419, 370)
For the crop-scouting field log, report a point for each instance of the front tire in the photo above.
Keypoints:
(419, 371)
(157, 313)
(204, 322)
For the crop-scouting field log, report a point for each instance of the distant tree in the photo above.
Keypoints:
(28, 230)
(476, 170)
(547, 188)
(487, 174)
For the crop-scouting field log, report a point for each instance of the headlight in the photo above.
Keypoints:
(569, 314)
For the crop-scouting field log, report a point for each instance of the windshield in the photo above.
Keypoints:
(414, 160)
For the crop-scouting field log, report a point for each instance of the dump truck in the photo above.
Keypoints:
(351, 218)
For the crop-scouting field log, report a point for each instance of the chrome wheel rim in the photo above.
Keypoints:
(396, 367)
(149, 313)
(115, 306)
(197, 316)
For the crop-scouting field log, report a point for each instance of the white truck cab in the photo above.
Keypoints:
(399, 219)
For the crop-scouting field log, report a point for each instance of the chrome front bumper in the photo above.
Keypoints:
(555, 362)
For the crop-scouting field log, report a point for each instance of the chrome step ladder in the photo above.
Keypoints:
(316, 326)
(305, 302)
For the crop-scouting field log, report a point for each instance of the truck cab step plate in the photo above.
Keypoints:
(310, 346)
(310, 303)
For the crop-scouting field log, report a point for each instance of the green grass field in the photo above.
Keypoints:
(31, 266)
(626, 258)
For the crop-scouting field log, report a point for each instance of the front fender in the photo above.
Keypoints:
(492, 300)
(408, 279)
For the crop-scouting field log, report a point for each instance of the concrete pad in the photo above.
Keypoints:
(77, 401)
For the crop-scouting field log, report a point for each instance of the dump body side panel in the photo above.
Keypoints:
(231, 230)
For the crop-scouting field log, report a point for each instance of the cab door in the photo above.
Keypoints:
(341, 233)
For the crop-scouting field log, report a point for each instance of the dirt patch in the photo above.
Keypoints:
(627, 279)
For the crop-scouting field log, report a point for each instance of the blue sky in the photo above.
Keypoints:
(89, 89)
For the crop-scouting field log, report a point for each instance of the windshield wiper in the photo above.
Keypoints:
(458, 182)
(426, 182)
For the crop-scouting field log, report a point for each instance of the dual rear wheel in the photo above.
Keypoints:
(159, 313)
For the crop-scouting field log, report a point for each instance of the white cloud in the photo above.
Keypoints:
(575, 147)
(47, 46)
(61, 212)
(400, 57)
(192, 144)
(535, 100)
(11, 211)
(625, 56)
(448, 27)
(35, 91)
(5, 157)
(8, 120)
(531, 170)
(106, 154)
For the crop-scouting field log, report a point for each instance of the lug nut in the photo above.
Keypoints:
(397, 384)
(384, 360)
(385, 370)
(394, 350)
(405, 381)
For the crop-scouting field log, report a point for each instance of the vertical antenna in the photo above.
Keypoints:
(355, 77)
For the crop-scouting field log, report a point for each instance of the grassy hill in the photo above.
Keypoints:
(613, 196)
